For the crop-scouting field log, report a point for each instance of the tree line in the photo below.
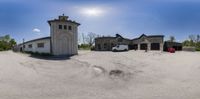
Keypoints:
(86, 41)
(192, 41)
(7, 43)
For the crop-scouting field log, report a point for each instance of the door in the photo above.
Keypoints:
(63, 46)
(143, 46)
(155, 46)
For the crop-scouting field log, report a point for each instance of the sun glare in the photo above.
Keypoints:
(92, 11)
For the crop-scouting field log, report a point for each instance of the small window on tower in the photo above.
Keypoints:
(69, 27)
(65, 27)
(60, 26)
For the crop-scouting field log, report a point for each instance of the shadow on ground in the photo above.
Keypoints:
(51, 57)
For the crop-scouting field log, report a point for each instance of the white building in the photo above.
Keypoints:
(63, 39)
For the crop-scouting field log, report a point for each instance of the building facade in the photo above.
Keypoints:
(106, 43)
(63, 39)
(144, 42)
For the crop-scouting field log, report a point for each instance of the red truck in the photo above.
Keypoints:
(171, 50)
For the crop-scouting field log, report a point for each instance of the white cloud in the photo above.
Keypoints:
(36, 30)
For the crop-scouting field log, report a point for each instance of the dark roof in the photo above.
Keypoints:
(36, 40)
(148, 36)
(173, 43)
(63, 18)
(105, 37)
(49, 21)
(108, 37)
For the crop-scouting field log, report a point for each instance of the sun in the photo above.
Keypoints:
(92, 11)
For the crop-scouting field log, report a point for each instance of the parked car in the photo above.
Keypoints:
(120, 48)
(171, 50)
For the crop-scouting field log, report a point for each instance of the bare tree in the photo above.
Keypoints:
(172, 39)
(83, 37)
(192, 38)
(198, 38)
(90, 39)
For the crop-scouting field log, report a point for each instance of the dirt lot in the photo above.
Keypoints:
(152, 75)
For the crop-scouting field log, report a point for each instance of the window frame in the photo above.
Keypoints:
(40, 45)
(30, 46)
(59, 26)
(70, 27)
(65, 27)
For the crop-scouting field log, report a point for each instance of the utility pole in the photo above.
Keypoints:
(23, 45)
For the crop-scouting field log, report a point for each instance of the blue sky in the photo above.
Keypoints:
(28, 18)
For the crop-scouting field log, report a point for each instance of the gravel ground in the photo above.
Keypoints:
(151, 75)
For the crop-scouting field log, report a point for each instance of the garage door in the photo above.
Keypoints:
(143, 46)
(155, 46)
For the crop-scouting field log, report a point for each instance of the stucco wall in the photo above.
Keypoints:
(64, 42)
(35, 48)
(143, 39)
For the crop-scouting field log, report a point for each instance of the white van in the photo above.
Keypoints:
(120, 48)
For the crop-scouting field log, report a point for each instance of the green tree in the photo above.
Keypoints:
(12, 42)
(6, 43)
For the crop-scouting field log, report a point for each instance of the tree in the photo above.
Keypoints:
(90, 39)
(186, 43)
(192, 38)
(198, 38)
(194, 41)
(7, 38)
(172, 39)
(6, 43)
(12, 42)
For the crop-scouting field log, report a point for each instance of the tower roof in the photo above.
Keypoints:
(62, 18)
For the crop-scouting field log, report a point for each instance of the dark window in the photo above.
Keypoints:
(60, 26)
(99, 46)
(24, 46)
(30, 46)
(65, 27)
(105, 46)
(40, 45)
(69, 27)
(135, 46)
(120, 39)
(112, 45)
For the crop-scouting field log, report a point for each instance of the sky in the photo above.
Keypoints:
(28, 18)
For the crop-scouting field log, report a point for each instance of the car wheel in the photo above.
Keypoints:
(114, 50)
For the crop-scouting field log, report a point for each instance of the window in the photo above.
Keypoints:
(60, 26)
(69, 27)
(105, 45)
(40, 45)
(99, 46)
(24, 46)
(30, 46)
(65, 27)
(112, 45)
(119, 39)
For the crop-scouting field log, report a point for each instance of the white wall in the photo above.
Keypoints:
(45, 49)
(64, 42)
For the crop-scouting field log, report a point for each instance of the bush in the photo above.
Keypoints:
(92, 48)
(84, 47)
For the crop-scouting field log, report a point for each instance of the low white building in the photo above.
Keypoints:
(63, 39)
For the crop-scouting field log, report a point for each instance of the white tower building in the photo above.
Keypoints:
(64, 36)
